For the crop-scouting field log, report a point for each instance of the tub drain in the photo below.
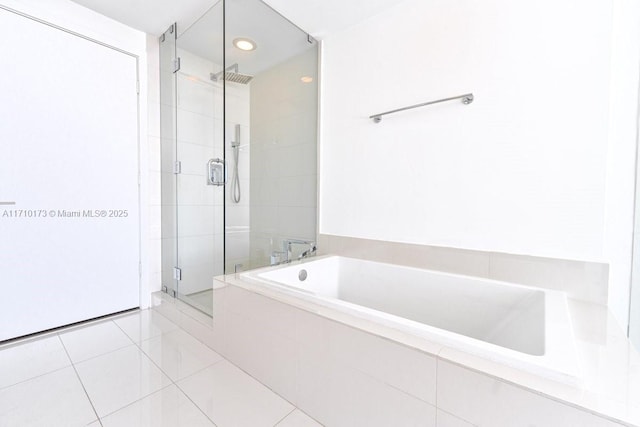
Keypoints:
(302, 275)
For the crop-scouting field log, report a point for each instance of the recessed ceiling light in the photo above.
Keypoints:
(306, 79)
(244, 43)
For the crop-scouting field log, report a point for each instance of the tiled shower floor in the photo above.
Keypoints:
(134, 370)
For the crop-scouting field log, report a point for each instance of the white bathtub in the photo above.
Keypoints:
(523, 327)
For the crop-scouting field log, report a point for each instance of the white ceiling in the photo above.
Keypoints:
(277, 39)
(200, 33)
(317, 17)
(150, 16)
(323, 17)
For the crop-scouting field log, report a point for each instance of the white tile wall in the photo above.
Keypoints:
(485, 401)
(342, 376)
(199, 128)
(584, 281)
(289, 349)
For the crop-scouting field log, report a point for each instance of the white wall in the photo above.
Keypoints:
(621, 157)
(525, 169)
(73, 17)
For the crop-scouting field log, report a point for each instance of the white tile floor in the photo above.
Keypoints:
(135, 370)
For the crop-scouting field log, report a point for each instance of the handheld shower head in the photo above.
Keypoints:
(236, 142)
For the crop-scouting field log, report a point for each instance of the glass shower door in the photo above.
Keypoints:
(200, 170)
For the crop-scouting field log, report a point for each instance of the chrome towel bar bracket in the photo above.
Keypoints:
(466, 100)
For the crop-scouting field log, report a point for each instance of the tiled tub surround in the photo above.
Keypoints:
(345, 370)
(583, 281)
(520, 326)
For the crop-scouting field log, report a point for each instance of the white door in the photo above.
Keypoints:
(69, 223)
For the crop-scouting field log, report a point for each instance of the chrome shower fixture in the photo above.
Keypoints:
(236, 140)
(232, 75)
(235, 180)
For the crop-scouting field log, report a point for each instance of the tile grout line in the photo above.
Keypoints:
(223, 357)
(133, 343)
(57, 334)
(80, 381)
(283, 418)
(101, 354)
(231, 363)
(137, 345)
(458, 417)
(174, 383)
(135, 401)
(196, 373)
(191, 400)
(36, 377)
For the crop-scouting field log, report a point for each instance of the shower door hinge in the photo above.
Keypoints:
(177, 167)
(162, 38)
(177, 273)
(176, 65)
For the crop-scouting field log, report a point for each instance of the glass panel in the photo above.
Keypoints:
(200, 183)
(168, 157)
(247, 114)
(270, 136)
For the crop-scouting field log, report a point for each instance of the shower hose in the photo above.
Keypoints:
(235, 179)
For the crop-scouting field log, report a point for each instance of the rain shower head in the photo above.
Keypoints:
(232, 75)
(237, 78)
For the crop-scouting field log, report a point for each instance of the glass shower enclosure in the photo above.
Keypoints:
(239, 100)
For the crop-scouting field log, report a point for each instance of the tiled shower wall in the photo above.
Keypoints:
(283, 156)
(237, 112)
